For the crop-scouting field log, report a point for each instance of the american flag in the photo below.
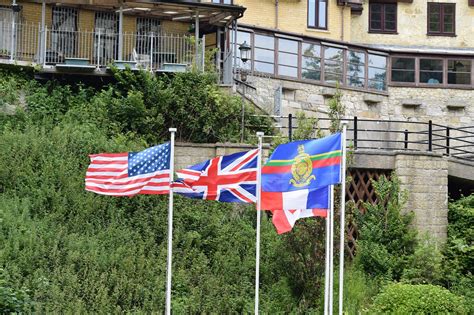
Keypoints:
(230, 178)
(129, 174)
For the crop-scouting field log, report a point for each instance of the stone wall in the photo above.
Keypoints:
(412, 26)
(400, 108)
(425, 177)
(187, 154)
(444, 106)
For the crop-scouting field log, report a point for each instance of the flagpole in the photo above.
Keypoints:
(326, 270)
(258, 193)
(342, 231)
(170, 226)
(331, 252)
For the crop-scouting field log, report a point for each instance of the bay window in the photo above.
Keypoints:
(311, 61)
(377, 75)
(288, 57)
(333, 65)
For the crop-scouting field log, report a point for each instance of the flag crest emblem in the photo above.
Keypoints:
(301, 169)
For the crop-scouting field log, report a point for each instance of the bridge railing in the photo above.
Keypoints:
(371, 134)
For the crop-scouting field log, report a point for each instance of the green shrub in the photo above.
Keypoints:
(458, 262)
(386, 239)
(417, 299)
(425, 265)
(12, 300)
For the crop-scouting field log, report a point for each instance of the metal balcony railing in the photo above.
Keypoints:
(99, 48)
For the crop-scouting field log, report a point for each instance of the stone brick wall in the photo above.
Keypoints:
(425, 177)
(412, 26)
(187, 154)
(434, 103)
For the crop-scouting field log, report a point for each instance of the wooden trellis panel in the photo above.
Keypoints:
(360, 190)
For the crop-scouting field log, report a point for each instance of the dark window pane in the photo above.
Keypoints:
(459, 78)
(311, 50)
(448, 9)
(287, 59)
(311, 63)
(431, 64)
(311, 74)
(459, 65)
(376, 8)
(288, 45)
(288, 71)
(391, 9)
(264, 67)
(434, 18)
(434, 8)
(403, 63)
(376, 25)
(403, 76)
(448, 28)
(434, 27)
(264, 55)
(431, 77)
(390, 26)
(264, 41)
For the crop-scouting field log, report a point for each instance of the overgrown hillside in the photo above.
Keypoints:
(65, 250)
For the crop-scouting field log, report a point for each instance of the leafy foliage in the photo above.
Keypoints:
(458, 262)
(417, 299)
(386, 239)
(12, 300)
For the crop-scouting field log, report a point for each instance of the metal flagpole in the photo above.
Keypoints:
(342, 231)
(331, 252)
(170, 226)
(257, 246)
(326, 270)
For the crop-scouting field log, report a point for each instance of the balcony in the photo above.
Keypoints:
(96, 51)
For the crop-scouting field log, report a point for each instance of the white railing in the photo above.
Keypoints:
(100, 48)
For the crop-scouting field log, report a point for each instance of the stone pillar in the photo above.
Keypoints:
(425, 176)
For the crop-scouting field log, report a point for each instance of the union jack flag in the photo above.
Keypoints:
(230, 178)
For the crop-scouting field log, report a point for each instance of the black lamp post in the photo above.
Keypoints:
(244, 56)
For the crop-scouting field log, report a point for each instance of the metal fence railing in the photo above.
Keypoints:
(100, 48)
(456, 142)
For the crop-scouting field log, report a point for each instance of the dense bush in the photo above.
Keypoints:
(458, 263)
(417, 299)
(68, 250)
(386, 239)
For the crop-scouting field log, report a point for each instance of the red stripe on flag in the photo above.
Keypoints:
(320, 212)
(280, 221)
(287, 168)
(108, 155)
(271, 200)
(241, 196)
(103, 162)
(244, 161)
